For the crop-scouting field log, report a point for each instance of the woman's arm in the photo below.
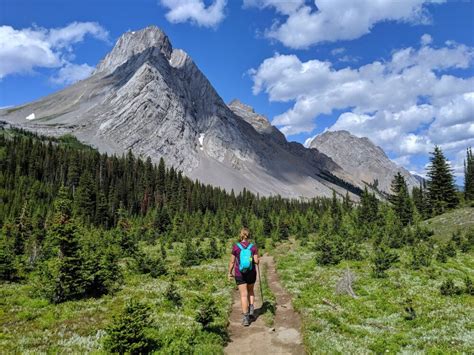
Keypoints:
(255, 259)
(231, 266)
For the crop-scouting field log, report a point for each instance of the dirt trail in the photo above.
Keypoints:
(283, 337)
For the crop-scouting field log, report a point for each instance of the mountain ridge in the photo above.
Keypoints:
(351, 152)
(150, 98)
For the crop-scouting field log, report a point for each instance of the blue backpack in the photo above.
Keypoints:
(246, 259)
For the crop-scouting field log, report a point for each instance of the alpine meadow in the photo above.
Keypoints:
(144, 209)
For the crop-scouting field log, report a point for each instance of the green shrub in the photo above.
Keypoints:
(448, 288)
(7, 265)
(128, 331)
(330, 250)
(190, 256)
(410, 313)
(154, 266)
(442, 255)
(206, 310)
(172, 295)
(100, 270)
(421, 255)
(383, 260)
(469, 287)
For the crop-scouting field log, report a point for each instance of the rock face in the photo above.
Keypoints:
(152, 99)
(360, 158)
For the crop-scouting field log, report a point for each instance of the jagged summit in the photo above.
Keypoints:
(133, 43)
(259, 122)
(152, 99)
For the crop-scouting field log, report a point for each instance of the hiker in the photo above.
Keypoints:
(243, 261)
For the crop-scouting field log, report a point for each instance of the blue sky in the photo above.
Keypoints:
(400, 72)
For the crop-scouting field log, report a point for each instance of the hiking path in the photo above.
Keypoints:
(283, 337)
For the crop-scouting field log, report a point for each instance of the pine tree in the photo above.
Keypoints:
(402, 203)
(441, 189)
(336, 212)
(347, 203)
(382, 261)
(64, 281)
(469, 176)
(368, 208)
(128, 332)
(84, 199)
(7, 268)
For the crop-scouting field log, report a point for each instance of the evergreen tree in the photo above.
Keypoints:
(421, 201)
(469, 176)
(368, 208)
(383, 260)
(128, 332)
(64, 280)
(336, 212)
(441, 189)
(347, 203)
(401, 200)
(7, 257)
(84, 199)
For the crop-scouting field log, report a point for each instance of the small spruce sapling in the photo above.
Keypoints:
(172, 295)
(448, 288)
(128, 332)
(206, 310)
(469, 286)
(420, 255)
(383, 260)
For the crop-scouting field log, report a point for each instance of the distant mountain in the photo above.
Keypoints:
(152, 99)
(362, 159)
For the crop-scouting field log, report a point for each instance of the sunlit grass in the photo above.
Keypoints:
(376, 319)
(30, 324)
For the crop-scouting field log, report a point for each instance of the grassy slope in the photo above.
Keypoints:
(375, 321)
(445, 224)
(32, 324)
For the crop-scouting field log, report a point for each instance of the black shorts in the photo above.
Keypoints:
(246, 278)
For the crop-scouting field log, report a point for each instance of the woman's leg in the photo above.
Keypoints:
(244, 298)
(251, 294)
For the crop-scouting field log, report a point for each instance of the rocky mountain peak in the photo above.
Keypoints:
(133, 43)
(258, 121)
(361, 158)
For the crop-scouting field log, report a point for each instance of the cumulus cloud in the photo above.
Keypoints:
(426, 39)
(23, 50)
(405, 104)
(195, 11)
(332, 20)
(71, 73)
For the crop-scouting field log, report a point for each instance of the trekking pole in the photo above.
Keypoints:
(260, 281)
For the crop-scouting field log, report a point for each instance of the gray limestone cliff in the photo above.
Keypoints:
(147, 97)
(361, 158)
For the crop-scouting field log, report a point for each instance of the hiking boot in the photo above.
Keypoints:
(252, 311)
(246, 320)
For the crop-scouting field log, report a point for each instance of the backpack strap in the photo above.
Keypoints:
(249, 246)
(240, 246)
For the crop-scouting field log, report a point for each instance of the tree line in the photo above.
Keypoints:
(69, 214)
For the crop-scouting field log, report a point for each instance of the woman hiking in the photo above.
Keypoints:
(243, 261)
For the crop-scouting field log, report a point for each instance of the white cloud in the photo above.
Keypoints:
(195, 11)
(338, 51)
(23, 50)
(405, 104)
(426, 39)
(333, 20)
(71, 73)
(283, 7)
(402, 160)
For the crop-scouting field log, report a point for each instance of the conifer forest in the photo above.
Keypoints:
(115, 254)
